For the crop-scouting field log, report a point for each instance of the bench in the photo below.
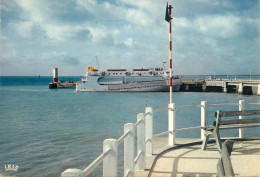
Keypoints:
(220, 124)
(224, 166)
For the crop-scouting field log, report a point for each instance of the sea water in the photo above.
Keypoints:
(46, 131)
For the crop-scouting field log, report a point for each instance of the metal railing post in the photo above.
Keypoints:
(171, 124)
(241, 131)
(129, 149)
(148, 131)
(141, 142)
(110, 163)
(203, 118)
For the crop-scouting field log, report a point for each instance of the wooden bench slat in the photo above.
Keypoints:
(238, 113)
(235, 126)
(240, 121)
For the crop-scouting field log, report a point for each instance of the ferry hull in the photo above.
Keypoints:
(144, 86)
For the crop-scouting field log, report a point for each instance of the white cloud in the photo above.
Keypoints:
(89, 5)
(60, 32)
(138, 17)
(32, 9)
(182, 22)
(22, 27)
(98, 33)
(133, 32)
(129, 42)
(218, 26)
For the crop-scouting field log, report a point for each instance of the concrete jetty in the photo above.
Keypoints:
(56, 83)
(221, 85)
(62, 84)
(193, 85)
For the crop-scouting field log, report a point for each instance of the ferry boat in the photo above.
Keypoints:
(122, 80)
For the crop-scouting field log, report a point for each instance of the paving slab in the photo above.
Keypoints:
(192, 161)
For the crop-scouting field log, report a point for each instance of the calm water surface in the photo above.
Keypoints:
(46, 131)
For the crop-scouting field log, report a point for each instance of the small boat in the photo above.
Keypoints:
(122, 80)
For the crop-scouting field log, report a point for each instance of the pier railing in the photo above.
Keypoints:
(138, 138)
(109, 157)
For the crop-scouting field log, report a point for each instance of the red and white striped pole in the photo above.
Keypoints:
(170, 52)
(168, 18)
(171, 111)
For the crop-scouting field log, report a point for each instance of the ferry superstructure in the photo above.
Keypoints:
(122, 80)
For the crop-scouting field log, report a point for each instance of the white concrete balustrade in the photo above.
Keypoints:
(148, 131)
(135, 156)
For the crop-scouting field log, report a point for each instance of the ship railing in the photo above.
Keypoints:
(138, 138)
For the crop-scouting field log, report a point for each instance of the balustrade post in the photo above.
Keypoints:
(72, 172)
(148, 131)
(110, 163)
(171, 124)
(240, 88)
(204, 118)
(241, 108)
(141, 142)
(258, 90)
(225, 87)
(129, 149)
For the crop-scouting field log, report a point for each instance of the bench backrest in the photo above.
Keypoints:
(220, 114)
(237, 113)
(224, 166)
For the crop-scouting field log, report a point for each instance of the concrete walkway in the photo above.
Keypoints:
(192, 161)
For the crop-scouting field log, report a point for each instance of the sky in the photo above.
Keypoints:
(209, 36)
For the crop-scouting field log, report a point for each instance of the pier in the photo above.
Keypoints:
(193, 85)
(63, 84)
(56, 83)
(221, 85)
(148, 154)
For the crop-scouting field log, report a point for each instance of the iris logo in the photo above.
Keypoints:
(10, 167)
